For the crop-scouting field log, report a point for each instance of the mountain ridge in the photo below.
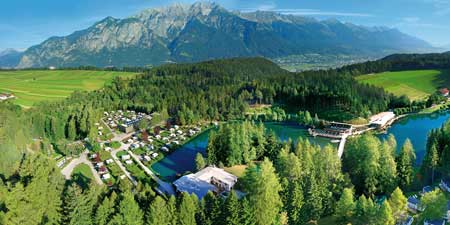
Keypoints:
(204, 31)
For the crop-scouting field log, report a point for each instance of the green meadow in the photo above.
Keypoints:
(417, 85)
(32, 86)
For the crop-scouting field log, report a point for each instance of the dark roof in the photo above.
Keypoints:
(427, 189)
(436, 222)
(446, 181)
(413, 200)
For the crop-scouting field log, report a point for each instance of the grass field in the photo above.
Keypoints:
(31, 86)
(416, 85)
(82, 175)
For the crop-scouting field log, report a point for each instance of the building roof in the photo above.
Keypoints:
(200, 182)
(413, 200)
(382, 118)
(427, 189)
(446, 181)
(207, 173)
(436, 222)
(193, 185)
(444, 91)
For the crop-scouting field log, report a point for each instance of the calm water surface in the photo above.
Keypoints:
(183, 160)
(416, 128)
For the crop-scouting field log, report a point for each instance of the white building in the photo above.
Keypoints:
(106, 176)
(126, 157)
(209, 179)
(382, 119)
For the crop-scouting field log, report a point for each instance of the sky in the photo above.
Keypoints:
(24, 23)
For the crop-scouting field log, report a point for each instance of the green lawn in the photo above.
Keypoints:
(82, 175)
(31, 86)
(415, 84)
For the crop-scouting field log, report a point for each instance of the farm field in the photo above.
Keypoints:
(31, 86)
(416, 84)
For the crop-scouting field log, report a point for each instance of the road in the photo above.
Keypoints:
(119, 163)
(342, 145)
(163, 186)
(67, 171)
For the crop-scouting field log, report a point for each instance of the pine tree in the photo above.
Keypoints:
(187, 208)
(247, 215)
(105, 210)
(405, 161)
(263, 187)
(157, 213)
(345, 207)
(232, 210)
(199, 162)
(384, 216)
(294, 202)
(71, 130)
(172, 210)
(129, 212)
(398, 201)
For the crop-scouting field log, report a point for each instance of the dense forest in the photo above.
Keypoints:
(285, 183)
(215, 90)
(399, 62)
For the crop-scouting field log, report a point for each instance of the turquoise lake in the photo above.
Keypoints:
(416, 128)
(182, 160)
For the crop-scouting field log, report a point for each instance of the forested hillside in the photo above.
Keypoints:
(399, 62)
(215, 90)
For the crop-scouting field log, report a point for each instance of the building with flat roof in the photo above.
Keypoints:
(208, 179)
(380, 120)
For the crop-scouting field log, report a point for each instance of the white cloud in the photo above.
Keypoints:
(416, 22)
(442, 7)
(306, 12)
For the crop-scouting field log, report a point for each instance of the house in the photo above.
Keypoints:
(106, 176)
(444, 92)
(408, 221)
(93, 156)
(102, 170)
(52, 68)
(164, 149)
(100, 164)
(445, 184)
(208, 179)
(150, 147)
(380, 120)
(108, 149)
(426, 189)
(414, 204)
(146, 158)
(448, 211)
(434, 222)
(126, 157)
(109, 161)
(129, 162)
(154, 155)
(126, 128)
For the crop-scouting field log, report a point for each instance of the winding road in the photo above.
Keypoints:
(83, 159)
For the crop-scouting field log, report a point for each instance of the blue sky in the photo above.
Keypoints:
(24, 23)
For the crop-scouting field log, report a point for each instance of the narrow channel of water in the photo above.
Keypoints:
(183, 159)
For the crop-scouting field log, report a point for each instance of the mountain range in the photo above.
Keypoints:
(203, 31)
(10, 58)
